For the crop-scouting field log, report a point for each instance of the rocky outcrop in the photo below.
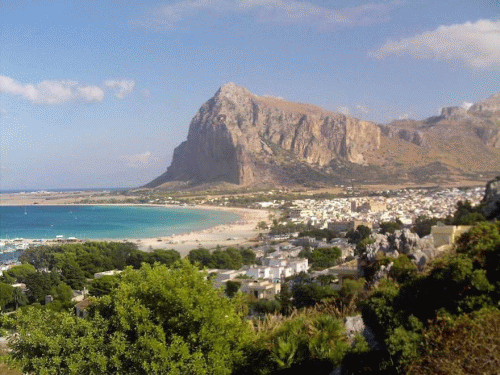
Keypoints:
(491, 199)
(453, 113)
(419, 250)
(237, 137)
(490, 105)
(410, 135)
(489, 135)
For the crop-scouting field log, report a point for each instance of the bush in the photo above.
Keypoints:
(304, 341)
(265, 306)
(469, 344)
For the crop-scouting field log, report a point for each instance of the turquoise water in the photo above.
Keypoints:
(105, 222)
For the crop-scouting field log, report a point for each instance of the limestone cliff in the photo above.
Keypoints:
(254, 141)
(244, 139)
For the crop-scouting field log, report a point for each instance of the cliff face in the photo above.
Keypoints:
(249, 140)
(241, 138)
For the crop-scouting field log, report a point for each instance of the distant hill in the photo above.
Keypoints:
(246, 140)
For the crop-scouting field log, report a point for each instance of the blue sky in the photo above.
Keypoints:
(98, 94)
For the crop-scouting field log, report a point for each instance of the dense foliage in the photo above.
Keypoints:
(230, 258)
(390, 226)
(158, 320)
(322, 257)
(469, 344)
(423, 224)
(361, 233)
(307, 341)
(169, 319)
(90, 257)
(456, 284)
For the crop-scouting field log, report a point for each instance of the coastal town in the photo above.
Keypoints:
(278, 253)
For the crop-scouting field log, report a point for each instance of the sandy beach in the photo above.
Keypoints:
(240, 233)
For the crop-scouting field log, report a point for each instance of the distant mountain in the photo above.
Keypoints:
(248, 140)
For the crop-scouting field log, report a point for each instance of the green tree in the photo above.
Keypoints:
(137, 257)
(39, 284)
(361, 232)
(423, 225)
(20, 272)
(6, 294)
(247, 256)
(72, 274)
(159, 320)
(103, 285)
(466, 214)
(284, 297)
(167, 257)
(309, 294)
(18, 298)
(232, 288)
(325, 257)
(62, 292)
(40, 257)
(201, 257)
(262, 225)
(390, 226)
(403, 269)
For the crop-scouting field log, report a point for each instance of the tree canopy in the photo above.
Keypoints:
(158, 320)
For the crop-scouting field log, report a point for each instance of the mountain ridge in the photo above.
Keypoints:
(247, 140)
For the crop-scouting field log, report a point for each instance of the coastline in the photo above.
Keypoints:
(241, 232)
(238, 233)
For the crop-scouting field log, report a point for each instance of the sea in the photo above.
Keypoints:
(105, 222)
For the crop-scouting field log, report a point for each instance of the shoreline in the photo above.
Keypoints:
(238, 233)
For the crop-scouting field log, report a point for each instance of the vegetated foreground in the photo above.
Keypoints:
(165, 316)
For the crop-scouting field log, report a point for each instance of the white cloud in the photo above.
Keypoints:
(466, 105)
(270, 11)
(139, 161)
(121, 88)
(362, 108)
(3, 112)
(343, 110)
(51, 92)
(476, 45)
(405, 116)
(56, 92)
(91, 93)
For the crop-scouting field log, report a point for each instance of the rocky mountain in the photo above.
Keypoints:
(254, 141)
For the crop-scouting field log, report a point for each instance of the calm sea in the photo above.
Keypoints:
(105, 222)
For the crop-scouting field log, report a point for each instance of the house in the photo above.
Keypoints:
(259, 272)
(447, 234)
(82, 306)
(261, 289)
(225, 275)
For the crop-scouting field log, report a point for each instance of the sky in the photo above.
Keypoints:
(98, 94)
